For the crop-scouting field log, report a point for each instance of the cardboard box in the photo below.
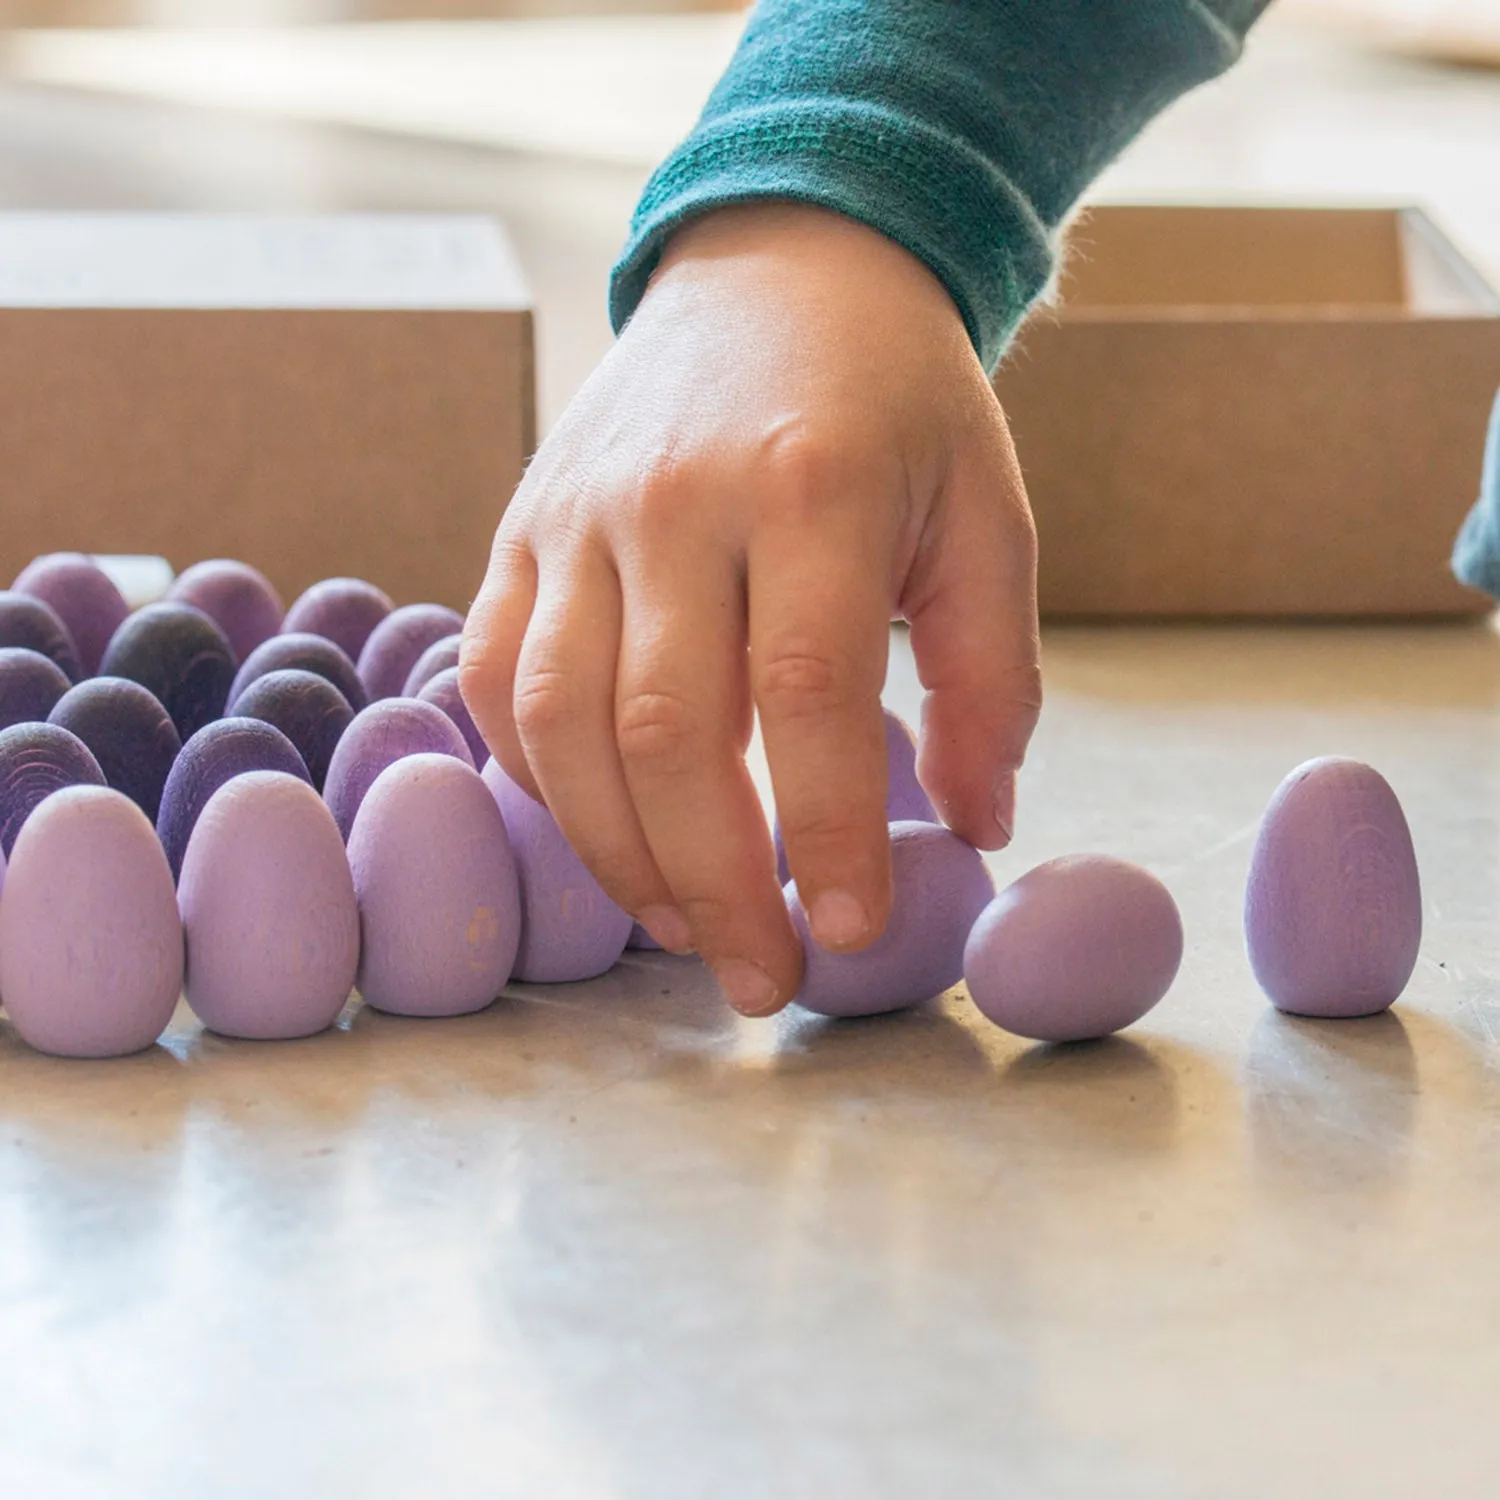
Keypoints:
(319, 396)
(1255, 412)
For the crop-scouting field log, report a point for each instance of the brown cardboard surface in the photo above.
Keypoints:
(1255, 412)
(309, 440)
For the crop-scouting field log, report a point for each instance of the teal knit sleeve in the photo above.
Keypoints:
(964, 130)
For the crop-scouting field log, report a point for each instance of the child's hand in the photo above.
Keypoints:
(791, 442)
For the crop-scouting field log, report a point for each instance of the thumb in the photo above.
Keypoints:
(971, 602)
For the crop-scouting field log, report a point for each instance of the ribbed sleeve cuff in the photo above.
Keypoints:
(930, 193)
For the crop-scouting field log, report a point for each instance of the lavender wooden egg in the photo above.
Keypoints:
(939, 886)
(30, 684)
(301, 652)
(641, 940)
(217, 754)
(443, 692)
(178, 653)
(569, 928)
(1333, 905)
(83, 596)
(29, 623)
(439, 902)
(1075, 949)
(240, 600)
(37, 760)
(90, 943)
(397, 643)
(438, 657)
(905, 801)
(343, 610)
(384, 733)
(130, 734)
(306, 708)
(267, 904)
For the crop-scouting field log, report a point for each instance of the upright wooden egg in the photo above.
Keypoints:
(342, 610)
(176, 652)
(240, 599)
(37, 760)
(397, 643)
(1333, 904)
(83, 596)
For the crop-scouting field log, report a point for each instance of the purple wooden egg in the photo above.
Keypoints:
(130, 733)
(438, 657)
(215, 755)
(267, 904)
(569, 928)
(306, 708)
(90, 943)
(1075, 949)
(239, 599)
(342, 610)
(397, 643)
(35, 761)
(380, 736)
(939, 886)
(1333, 906)
(29, 623)
(84, 598)
(301, 652)
(905, 801)
(439, 903)
(178, 653)
(30, 684)
(443, 692)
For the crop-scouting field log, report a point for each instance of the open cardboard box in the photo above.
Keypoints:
(316, 396)
(1255, 412)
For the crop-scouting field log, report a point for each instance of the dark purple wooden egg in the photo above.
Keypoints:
(84, 598)
(216, 754)
(342, 610)
(30, 684)
(396, 644)
(176, 652)
(301, 651)
(35, 761)
(35, 626)
(306, 708)
(131, 735)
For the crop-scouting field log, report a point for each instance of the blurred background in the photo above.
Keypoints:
(550, 114)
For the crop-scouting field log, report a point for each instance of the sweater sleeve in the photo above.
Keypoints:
(964, 130)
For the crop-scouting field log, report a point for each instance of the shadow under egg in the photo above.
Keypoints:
(1331, 1105)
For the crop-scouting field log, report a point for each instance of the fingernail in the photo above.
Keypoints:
(669, 927)
(838, 920)
(747, 986)
(1005, 804)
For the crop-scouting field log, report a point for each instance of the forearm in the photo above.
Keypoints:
(965, 130)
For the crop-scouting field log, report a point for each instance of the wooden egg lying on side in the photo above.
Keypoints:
(939, 886)
(267, 904)
(341, 610)
(569, 928)
(1075, 949)
(1333, 905)
(90, 942)
(439, 902)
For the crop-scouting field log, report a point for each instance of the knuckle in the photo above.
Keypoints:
(657, 730)
(802, 472)
(545, 704)
(797, 683)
